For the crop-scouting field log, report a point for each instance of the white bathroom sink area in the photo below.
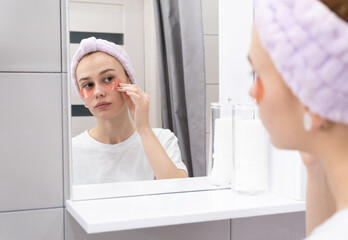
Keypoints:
(132, 212)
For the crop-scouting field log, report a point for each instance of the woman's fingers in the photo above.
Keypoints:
(134, 91)
(128, 99)
(134, 95)
(130, 87)
(138, 103)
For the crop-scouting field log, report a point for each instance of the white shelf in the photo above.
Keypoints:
(125, 213)
(138, 188)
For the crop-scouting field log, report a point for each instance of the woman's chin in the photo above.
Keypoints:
(281, 144)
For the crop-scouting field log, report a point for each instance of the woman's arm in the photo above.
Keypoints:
(162, 166)
(320, 204)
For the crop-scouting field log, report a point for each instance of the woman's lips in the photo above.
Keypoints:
(102, 105)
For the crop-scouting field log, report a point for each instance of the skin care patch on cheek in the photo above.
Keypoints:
(113, 84)
(259, 90)
(86, 93)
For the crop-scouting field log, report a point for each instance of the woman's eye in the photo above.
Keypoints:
(108, 79)
(88, 85)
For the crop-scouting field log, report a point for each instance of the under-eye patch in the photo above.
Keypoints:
(86, 92)
(259, 90)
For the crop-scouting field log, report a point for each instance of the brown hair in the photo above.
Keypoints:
(340, 7)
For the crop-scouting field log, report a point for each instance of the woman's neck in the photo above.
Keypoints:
(334, 157)
(112, 131)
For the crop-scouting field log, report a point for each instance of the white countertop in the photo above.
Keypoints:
(124, 213)
(139, 188)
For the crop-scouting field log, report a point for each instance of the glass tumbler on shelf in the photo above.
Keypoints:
(250, 151)
(220, 154)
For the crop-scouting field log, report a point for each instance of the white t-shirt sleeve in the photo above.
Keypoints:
(170, 144)
(335, 228)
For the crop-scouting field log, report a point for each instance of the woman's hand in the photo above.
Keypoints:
(161, 164)
(140, 109)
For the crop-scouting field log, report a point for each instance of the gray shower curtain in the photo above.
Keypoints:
(182, 77)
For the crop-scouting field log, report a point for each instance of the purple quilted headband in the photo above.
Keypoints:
(92, 44)
(308, 44)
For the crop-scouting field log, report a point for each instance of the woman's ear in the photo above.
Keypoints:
(312, 121)
(317, 121)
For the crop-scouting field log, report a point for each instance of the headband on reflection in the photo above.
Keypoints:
(90, 45)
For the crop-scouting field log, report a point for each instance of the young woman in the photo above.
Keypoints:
(117, 149)
(299, 53)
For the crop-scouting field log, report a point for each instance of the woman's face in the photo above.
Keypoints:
(98, 75)
(280, 111)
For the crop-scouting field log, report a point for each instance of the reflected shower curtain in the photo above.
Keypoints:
(182, 77)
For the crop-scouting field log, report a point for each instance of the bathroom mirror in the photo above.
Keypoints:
(131, 25)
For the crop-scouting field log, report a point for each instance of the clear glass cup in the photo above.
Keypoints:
(221, 155)
(250, 151)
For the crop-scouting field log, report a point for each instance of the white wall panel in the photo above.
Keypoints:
(96, 17)
(30, 36)
(32, 225)
(30, 141)
(235, 23)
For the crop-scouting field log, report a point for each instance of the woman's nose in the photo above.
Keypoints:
(99, 90)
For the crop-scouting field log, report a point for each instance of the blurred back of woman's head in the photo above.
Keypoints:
(340, 7)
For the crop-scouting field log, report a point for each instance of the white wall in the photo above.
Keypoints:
(236, 19)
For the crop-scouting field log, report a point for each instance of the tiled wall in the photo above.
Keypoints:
(210, 13)
(31, 161)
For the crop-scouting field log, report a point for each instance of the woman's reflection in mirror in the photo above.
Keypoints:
(117, 148)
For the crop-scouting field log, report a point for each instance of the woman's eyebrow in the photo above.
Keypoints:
(101, 73)
(84, 79)
(106, 70)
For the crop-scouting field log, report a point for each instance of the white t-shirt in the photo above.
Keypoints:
(335, 228)
(96, 162)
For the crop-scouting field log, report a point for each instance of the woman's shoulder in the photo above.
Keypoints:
(164, 135)
(161, 132)
(77, 140)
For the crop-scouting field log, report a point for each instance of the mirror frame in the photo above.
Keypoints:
(118, 189)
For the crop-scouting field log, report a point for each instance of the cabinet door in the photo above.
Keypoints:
(30, 36)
